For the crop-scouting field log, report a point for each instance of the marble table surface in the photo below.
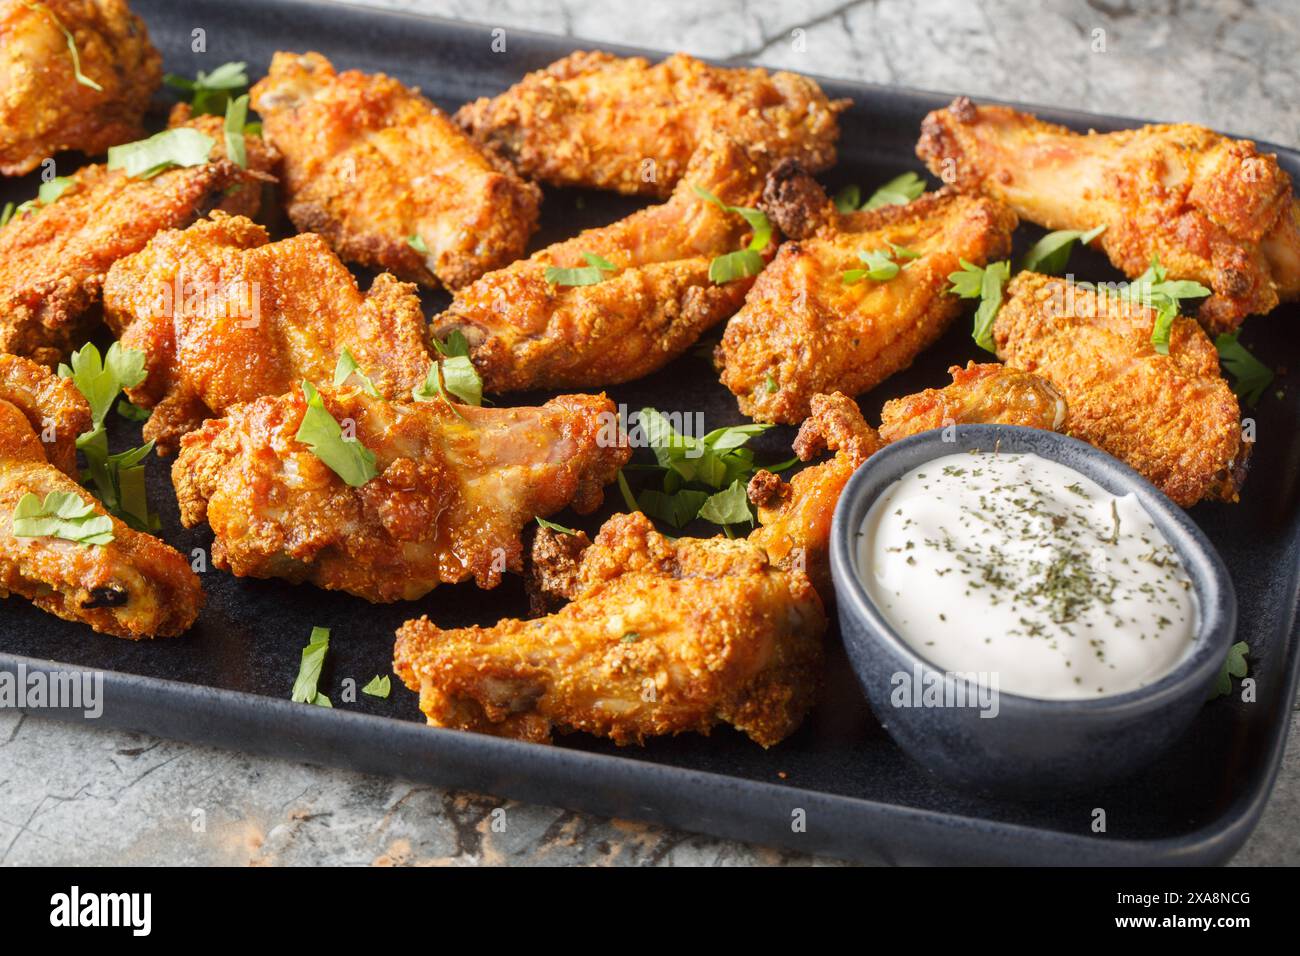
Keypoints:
(77, 794)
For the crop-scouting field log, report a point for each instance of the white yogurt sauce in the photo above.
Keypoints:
(1023, 567)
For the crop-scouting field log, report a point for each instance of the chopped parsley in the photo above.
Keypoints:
(1153, 290)
(320, 431)
(881, 264)
(61, 515)
(1050, 254)
(346, 367)
(1234, 665)
(986, 285)
(555, 527)
(379, 686)
(72, 44)
(1250, 376)
(746, 262)
(592, 274)
(899, 191)
(178, 147)
(211, 92)
(313, 659)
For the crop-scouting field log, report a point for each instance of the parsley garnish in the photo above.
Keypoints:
(458, 374)
(1050, 254)
(61, 515)
(745, 262)
(347, 367)
(881, 264)
(379, 687)
(236, 120)
(986, 285)
(118, 479)
(48, 192)
(899, 191)
(592, 274)
(1234, 665)
(72, 45)
(313, 659)
(1152, 290)
(146, 158)
(346, 457)
(416, 242)
(1250, 376)
(211, 92)
(555, 527)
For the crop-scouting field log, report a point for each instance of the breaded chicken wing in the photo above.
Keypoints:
(224, 316)
(387, 178)
(455, 486)
(133, 585)
(53, 260)
(1171, 417)
(44, 107)
(661, 637)
(806, 328)
(1214, 209)
(526, 333)
(795, 518)
(609, 122)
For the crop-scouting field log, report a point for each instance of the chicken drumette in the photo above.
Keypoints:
(1171, 417)
(454, 487)
(1213, 209)
(387, 178)
(526, 332)
(809, 326)
(660, 637)
(45, 107)
(53, 259)
(795, 518)
(608, 122)
(131, 585)
(224, 316)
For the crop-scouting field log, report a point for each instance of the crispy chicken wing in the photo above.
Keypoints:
(1214, 209)
(804, 330)
(133, 586)
(527, 333)
(608, 122)
(1171, 417)
(387, 178)
(44, 107)
(53, 260)
(224, 316)
(455, 486)
(795, 518)
(661, 637)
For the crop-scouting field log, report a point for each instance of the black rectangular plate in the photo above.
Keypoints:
(227, 682)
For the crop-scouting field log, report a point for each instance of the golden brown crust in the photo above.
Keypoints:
(803, 331)
(135, 586)
(1214, 209)
(526, 333)
(54, 408)
(607, 122)
(555, 561)
(43, 107)
(368, 163)
(979, 393)
(53, 260)
(660, 638)
(455, 487)
(224, 316)
(1171, 417)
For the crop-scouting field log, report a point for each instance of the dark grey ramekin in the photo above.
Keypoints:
(1033, 747)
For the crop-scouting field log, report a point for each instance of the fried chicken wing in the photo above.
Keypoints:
(134, 585)
(662, 637)
(44, 107)
(795, 517)
(387, 178)
(526, 333)
(455, 486)
(1171, 417)
(608, 122)
(1213, 209)
(53, 260)
(224, 316)
(805, 330)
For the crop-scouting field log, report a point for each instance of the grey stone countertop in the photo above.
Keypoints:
(76, 794)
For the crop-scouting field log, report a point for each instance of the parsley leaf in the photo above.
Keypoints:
(6, 214)
(848, 199)
(348, 458)
(1234, 665)
(347, 367)
(211, 91)
(417, 243)
(986, 285)
(146, 158)
(1154, 291)
(899, 191)
(555, 527)
(72, 45)
(313, 659)
(61, 515)
(1050, 254)
(1250, 376)
(379, 687)
(745, 262)
(591, 275)
(233, 128)
(735, 265)
(881, 265)
(728, 507)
